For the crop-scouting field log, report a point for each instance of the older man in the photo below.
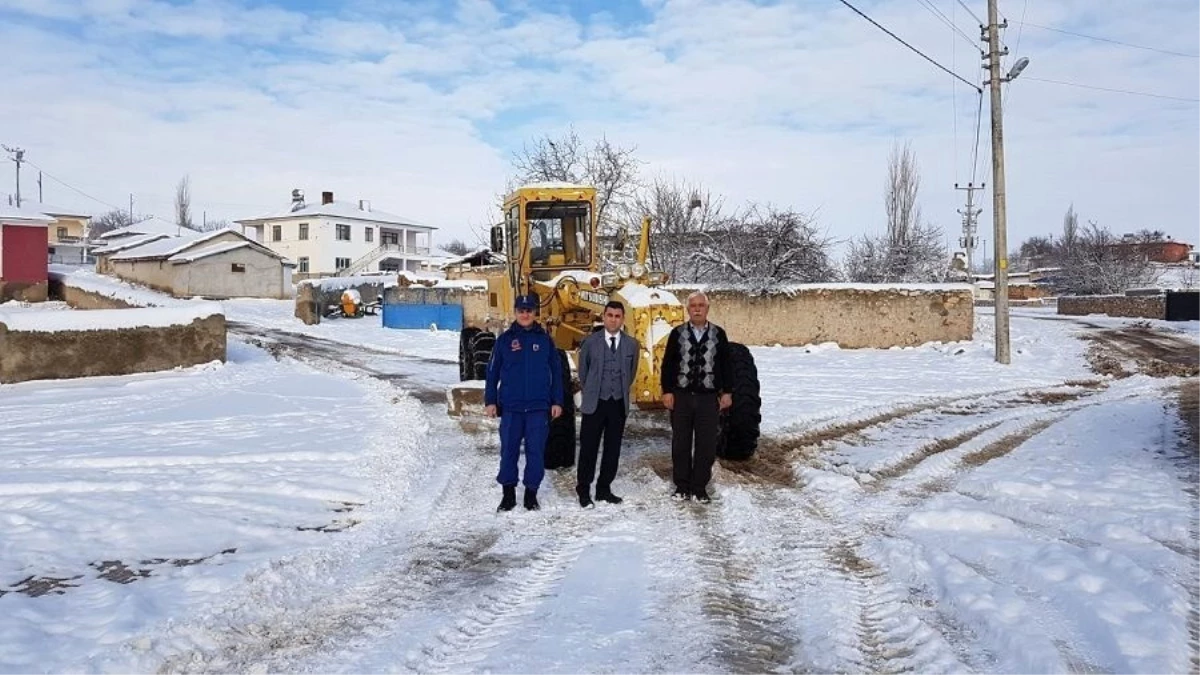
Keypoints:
(608, 363)
(697, 384)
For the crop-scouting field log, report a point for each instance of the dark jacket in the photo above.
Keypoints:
(672, 363)
(525, 372)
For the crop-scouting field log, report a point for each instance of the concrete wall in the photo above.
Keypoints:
(33, 355)
(1143, 307)
(212, 277)
(854, 318)
(157, 274)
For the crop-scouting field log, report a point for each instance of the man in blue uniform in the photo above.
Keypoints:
(525, 387)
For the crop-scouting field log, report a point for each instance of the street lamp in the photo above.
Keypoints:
(1016, 69)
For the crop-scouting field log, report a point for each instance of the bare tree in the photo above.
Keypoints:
(764, 247)
(1100, 264)
(911, 250)
(1070, 234)
(109, 221)
(183, 203)
(679, 211)
(213, 225)
(610, 168)
(457, 247)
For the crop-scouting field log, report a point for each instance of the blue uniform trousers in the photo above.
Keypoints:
(534, 428)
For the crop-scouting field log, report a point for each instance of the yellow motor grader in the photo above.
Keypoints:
(549, 237)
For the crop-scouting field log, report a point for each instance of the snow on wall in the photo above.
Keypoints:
(793, 289)
(87, 280)
(342, 283)
(109, 319)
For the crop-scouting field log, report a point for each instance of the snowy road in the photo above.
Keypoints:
(917, 510)
(956, 533)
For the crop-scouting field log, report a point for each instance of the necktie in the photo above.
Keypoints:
(613, 348)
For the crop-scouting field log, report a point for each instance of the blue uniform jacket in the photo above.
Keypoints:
(524, 373)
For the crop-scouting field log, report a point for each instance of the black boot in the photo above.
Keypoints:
(510, 498)
(531, 500)
(606, 495)
(585, 497)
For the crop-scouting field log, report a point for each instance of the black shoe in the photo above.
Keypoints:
(702, 497)
(531, 503)
(681, 495)
(608, 496)
(510, 499)
(585, 497)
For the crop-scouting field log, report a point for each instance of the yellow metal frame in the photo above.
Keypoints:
(569, 309)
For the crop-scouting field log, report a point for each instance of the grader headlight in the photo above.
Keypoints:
(608, 280)
(623, 271)
(658, 278)
(639, 270)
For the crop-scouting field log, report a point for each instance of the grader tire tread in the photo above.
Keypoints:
(466, 357)
(739, 431)
(481, 347)
(560, 445)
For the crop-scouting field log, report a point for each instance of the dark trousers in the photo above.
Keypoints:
(695, 422)
(532, 427)
(609, 421)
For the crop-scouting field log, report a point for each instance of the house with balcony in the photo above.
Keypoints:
(340, 238)
(67, 233)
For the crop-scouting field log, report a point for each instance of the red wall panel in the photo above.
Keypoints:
(25, 253)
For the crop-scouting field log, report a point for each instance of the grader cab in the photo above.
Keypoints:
(548, 236)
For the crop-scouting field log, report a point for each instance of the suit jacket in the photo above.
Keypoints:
(591, 367)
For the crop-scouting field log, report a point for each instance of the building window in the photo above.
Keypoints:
(276, 233)
(239, 267)
(303, 264)
(303, 231)
(370, 234)
(341, 263)
(62, 233)
(343, 233)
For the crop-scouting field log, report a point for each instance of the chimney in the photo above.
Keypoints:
(326, 198)
(297, 199)
(364, 205)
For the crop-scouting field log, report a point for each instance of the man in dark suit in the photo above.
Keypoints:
(608, 362)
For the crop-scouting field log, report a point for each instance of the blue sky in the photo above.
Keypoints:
(418, 106)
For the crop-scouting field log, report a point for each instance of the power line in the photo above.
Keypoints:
(973, 14)
(918, 51)
(940, 16)
(1115, 91)
(72, 187)
(978, 128)
(1109, 40)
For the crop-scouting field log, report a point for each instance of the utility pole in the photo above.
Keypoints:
(999, 216)
(39, 187)
(967, 241)
(130, 208)
(18, 157)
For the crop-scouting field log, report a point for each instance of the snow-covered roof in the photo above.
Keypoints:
(494, 258)
(169, 246)
(12, 215)
(338, 209)
(149, 226)
(128, 242)
(210, 250)
(552, 185)
(52, 210)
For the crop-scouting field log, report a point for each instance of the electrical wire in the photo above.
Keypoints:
(72, 187)
(914, 49)
(940, 16)
(978, 130)
(1111, 41)
(973, 14)
(1115, 91)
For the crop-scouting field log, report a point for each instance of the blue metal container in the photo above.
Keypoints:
(405, 315)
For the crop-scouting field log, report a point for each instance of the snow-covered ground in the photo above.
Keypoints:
(918, 509)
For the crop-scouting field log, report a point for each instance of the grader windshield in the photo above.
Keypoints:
(559, 233)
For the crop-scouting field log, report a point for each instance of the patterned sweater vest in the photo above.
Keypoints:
(698, 360)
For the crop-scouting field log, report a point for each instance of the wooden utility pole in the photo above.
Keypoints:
(18, 156)
(999, 222)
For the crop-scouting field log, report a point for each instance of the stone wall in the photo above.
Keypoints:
(37, 355)
(1142, 307)
(23, 291)
(77, 298)
(854, 317)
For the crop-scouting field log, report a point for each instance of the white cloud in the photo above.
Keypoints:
(794, 103)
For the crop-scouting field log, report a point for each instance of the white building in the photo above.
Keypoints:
(341, 238)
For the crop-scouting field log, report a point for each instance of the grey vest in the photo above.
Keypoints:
(610, 382)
